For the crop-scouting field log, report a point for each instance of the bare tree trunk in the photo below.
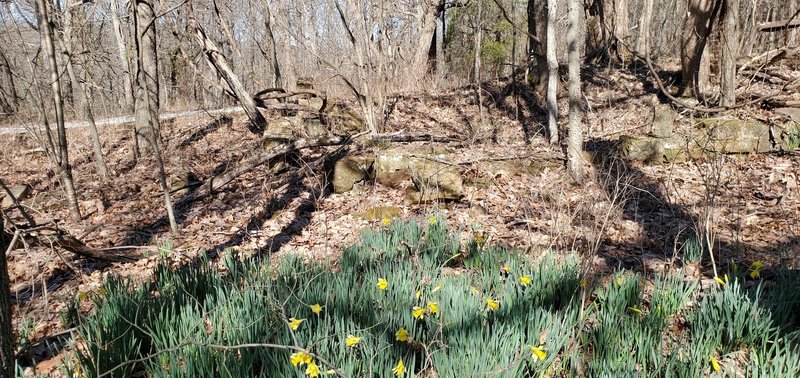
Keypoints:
(224, 69)
(537, 61)
(146, 102)
(65, 169)
(273, 48)
(8, 91)
(6, 330)
(645, 19)
(730, 51)
(477, 63)
(83, 98)
(427, 15)
(575, 139)
(147, 123)
(697, 29)
(552, 73)
(122, 54)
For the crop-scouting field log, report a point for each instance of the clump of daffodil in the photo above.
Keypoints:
(399, 369)
(492, 305)
(524, 280)
(755, 269)
(382, 283)
(316, 308)
(538, 353)
(387, 221)
(419, 312)
(433, 307)
(352, 341)
(294, 324)
(401, 334)
(300, 359)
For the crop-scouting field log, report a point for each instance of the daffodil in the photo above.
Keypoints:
(538, 352)
(479, 240)
(491, 304)
(505, 268)
(312, 370)
(300, 358)
(757, 265)
(316, 308)
(433, 307)
(386, 221)
(437, 288)
(714, 364)
(418, 293)
(401, 334)
(584, 283)
(419, 312)
(382, 283)
(352, 341)
(294, 324)
(399, 369)
(474, 290)
(720, 281)
(432, 219)
(755, 274)
(524, 280)
(618, 281)
(634, 309)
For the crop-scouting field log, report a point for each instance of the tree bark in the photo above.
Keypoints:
(730, 51)
(147, 128)
(65, 169)
(273, 48)
(646, 18)
(552, 72)
(537, 32)
(6, 330)
(122, 55)
(427, 15)
(81, 93)
(224, 69)
(575, 139)
(697, 29)
(8, 91)
(147, 123)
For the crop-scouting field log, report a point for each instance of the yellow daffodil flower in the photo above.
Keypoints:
(584, 283)
(418, 293)
(433, 307)
(386, 221)
(524, 280)
(300, 358)
(312, 370)
(757, 265)
(618, 281)
(634, 309)
(479, 240)
(719, 280)
(491, 304)
(538, 353)
(474, 290)
(382, 283)
(316, 308)
(755, 274)
(294, 324)
(714, 364)
(352, 341)
(505, 268)
(399, 369)
(432, 220)
(401, 334)
(419, 312)
(437, 288)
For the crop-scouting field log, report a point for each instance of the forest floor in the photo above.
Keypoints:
(637, 218)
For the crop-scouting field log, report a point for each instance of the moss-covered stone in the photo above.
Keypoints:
(381, 212)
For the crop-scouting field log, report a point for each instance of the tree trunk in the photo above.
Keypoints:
(65, 169)
(83, 98)
(8, 92)
(643, 40)
(697, 29)
(273, 48)
(427, 15)
(224, 69)
(575, 139)
(147, 128)
(730, 51)
(122, 55)
(552, 72)
(537, 32)
(6, 330)
(147, 123)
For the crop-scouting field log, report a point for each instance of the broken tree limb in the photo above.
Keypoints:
(50, 236)
(216, 182)
(403, 138)
(224, 69)
(774, 26)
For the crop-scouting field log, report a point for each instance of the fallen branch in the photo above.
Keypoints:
(774, 26)
(49, 235)
(401, 138)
